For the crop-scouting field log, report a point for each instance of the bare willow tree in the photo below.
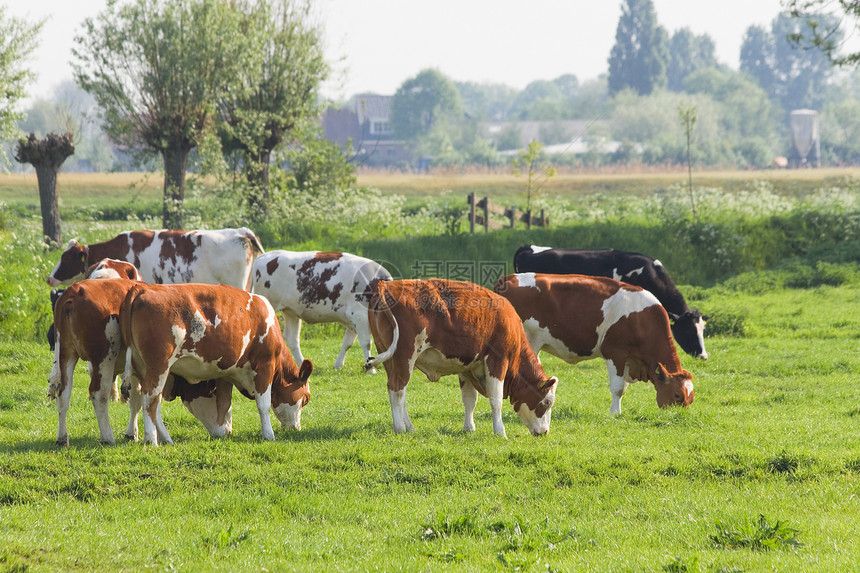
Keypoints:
(47, 156)
(280, 92)
(157, 68)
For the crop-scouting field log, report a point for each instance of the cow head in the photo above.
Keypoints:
(689, 331)
(72, 265)
(290, 392)
(208, 400)
(674, 388)
(536, 411)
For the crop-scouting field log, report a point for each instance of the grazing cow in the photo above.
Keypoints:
(205, 332)
(319, 287)
(113, 269)
(86, 317)
(577, 317)
(447, 327)
(215, 257)
(688, 325)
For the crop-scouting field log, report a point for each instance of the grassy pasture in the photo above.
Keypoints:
(771, 438)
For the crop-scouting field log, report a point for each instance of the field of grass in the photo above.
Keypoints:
(761, 473)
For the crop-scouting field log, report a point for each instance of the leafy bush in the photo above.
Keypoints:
(723, 322)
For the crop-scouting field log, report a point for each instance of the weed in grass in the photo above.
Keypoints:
(678, 565)
(225, 538)
(445, 527)
(759, 536)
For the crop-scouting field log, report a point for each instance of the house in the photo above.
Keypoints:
(362, 130)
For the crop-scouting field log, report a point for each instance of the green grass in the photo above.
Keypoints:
(761, 473)
(773, 433)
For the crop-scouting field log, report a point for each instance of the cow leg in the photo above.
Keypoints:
(102, 384)
(292, 329)
(63, 400)
(348, 339)
(402, 423)
(134, 405)
(60, 387)
(264, 403)
(152, 421)
(365, 340)
(470, 399)
(495, 393)
(617, 385)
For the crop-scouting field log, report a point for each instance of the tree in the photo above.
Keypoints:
(538, 95)
(796, 76)
(47, 156)
(824, 26)
(17, 42)
(280, 90)
(688, 53)
(422, 102)
(157, 68)
(537, 171)
(688, 116)
(640, 54)
(488, 102)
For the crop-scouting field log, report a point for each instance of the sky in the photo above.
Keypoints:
(376, 45)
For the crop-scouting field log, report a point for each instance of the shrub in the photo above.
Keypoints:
(725, 322)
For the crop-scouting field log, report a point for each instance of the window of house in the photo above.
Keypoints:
(379, 128)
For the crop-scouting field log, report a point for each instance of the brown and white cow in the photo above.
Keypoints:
(314, 286)
(447, 327)
(221, 256)
(207, 332)
(576, 318)
(86, 322)
(113, 269)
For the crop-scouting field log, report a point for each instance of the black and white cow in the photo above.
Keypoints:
(314, 286)
(688, 324)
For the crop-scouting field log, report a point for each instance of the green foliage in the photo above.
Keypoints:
(639, 56)
(281, 90)
(758, 536)
(538, 170)
(18, 39)
(420, 103)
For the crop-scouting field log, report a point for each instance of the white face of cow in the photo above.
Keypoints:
(289, 416)
(537, 420)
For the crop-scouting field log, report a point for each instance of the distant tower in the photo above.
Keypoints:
(805, 144)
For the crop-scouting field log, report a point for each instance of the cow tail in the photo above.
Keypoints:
(380, 303)
(255, 248)
(126, 331)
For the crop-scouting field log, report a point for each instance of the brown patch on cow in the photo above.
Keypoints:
(272, 265)
(178, 247)
(311, 282)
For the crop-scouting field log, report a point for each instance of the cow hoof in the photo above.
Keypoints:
(63, 442)
(107, 442)
(130, 438)
(370, 370)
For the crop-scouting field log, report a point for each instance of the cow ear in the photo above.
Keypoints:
(661, 374)
(673, 316)
(305, 370)
(547, 384)
(706, 318)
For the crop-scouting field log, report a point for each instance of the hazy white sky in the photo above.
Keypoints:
(375, 45)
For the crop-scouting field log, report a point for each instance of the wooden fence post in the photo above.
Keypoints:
(471, 201)
(486, 203)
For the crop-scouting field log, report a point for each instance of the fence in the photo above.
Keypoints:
(479, 214)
